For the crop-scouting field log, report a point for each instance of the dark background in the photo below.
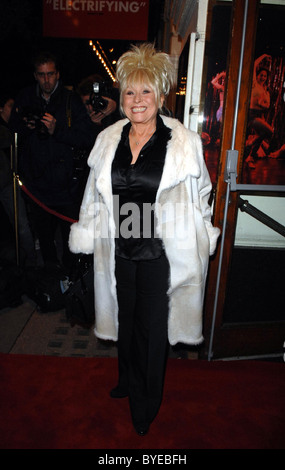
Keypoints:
(21, 38)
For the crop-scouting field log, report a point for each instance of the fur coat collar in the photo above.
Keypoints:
(177, 163)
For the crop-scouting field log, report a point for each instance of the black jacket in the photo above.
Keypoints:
(45, 162)
(6, 140)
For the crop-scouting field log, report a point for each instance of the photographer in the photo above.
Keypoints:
(100, 100)
(51, 123)
(27, 254)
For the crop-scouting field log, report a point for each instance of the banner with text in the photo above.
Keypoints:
(100, 19)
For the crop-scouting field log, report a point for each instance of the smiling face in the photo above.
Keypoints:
(262, 77)
(140, 103)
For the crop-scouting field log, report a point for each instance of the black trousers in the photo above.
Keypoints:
(45, 225)
(143, 341)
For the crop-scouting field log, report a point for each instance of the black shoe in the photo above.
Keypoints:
(118, 392)
(141, 430)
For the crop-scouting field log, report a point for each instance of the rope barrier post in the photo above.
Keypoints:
(14, 164)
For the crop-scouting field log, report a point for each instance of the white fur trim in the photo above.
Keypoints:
(80, 240)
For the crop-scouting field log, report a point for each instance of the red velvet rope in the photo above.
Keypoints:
(43, 206)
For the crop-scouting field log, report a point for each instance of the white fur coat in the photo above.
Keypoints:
(183, 223)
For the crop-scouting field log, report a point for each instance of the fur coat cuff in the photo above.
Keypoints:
(80, 240)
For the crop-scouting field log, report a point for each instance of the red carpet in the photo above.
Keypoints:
(63, 403)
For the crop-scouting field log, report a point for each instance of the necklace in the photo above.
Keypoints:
(138, 142)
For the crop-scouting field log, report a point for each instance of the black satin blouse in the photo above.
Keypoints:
(134, 189)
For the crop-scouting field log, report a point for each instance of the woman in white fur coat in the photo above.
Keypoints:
(145, 216)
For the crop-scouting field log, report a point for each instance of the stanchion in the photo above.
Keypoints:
(14, 165)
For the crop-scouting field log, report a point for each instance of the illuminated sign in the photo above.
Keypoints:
(102, 19)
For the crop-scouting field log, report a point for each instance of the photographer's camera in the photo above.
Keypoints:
(97, 102)
(33, 118)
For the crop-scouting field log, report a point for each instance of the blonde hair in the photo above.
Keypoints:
(142, 64)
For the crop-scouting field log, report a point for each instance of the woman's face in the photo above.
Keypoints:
(262, 77)
(139, 103)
